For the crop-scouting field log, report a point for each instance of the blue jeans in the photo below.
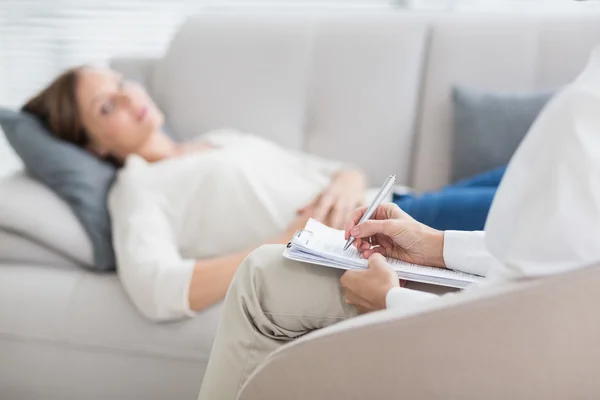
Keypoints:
(462, 206)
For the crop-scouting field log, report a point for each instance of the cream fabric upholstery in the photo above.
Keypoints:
(53, 225)
(337, 87)
(18, 249)
(247, 73)
(364, 93)
(67, 333)
(519, 341)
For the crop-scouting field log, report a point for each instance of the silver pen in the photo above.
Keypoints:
(383, 192)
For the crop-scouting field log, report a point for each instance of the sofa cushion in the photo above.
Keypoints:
(488, 127)
(31, 210)
(18, 249)
(79, 307)
(80, 326)
(363, 98)
(79, 178)
(245, 73)
(297, 81)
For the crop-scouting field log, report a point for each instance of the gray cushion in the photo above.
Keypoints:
(78, 177)
(488, 127)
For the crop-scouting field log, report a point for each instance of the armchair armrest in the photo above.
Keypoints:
(522, 340)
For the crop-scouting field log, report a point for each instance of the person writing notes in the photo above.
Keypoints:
(273, 300)
(545, 219)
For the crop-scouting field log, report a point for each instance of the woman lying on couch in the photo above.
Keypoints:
(185, 215)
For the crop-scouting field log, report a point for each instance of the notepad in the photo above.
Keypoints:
(322, 245)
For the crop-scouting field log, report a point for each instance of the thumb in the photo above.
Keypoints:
(371, 227)
(303, 211)
(377, 261)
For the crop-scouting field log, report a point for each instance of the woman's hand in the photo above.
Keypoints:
(367, 289)
(297, 224)
(335, 205)
(393, 233)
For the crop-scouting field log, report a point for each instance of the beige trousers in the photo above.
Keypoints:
(271, 301)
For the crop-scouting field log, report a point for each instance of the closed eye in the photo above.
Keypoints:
(107, 107)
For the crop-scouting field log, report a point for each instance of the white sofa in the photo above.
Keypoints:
(373, 89)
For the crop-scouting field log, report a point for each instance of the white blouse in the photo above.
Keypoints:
(169, 214)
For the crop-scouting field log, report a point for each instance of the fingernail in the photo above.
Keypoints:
(355, 231)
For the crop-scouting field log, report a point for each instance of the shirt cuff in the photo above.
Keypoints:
(171, 292)
(401, 297)
(466, 251)
(187, 281)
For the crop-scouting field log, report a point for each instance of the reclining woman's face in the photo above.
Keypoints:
(117, 114)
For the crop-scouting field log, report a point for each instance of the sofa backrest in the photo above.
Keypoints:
(497, 53)
(372, 89)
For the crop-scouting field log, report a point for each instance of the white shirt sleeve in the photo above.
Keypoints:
(150, 266)
(463, 251)
(466, 251)
(401, 297)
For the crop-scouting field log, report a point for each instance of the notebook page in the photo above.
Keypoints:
(327, 243)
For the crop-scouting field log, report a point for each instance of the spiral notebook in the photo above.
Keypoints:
(322, 245)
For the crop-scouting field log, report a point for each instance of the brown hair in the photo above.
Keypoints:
(56, 107)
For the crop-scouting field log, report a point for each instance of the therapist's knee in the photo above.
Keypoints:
(260, 269)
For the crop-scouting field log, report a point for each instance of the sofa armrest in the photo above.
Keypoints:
(532, 339)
